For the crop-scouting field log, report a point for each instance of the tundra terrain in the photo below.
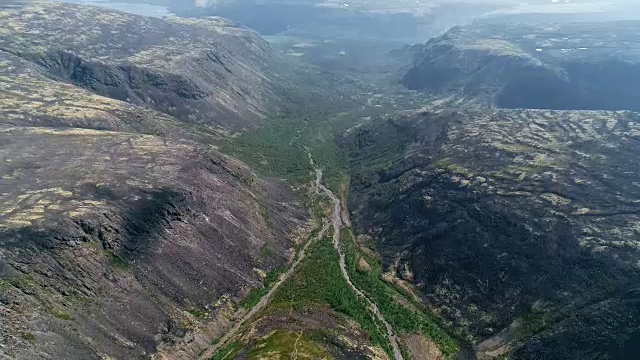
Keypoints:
(122, 228)
(183, 188)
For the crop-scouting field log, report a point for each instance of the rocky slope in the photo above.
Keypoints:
(207, 71)
(588, 66)
(123, 231)
(518, 226)
(114, 243)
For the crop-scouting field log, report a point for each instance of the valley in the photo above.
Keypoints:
(334, 220)
(189, 188)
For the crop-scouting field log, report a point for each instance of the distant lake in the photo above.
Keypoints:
(137, 8)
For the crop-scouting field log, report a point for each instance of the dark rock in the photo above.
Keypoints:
(487, 245)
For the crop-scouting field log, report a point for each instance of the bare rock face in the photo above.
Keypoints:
(122, 229)
(584, 66)
(519, 226)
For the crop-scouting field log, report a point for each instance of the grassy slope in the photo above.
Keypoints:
(412, 319)
(311, 288)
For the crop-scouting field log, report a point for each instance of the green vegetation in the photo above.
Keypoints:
(281, 145)
(227, 352)
(116, 261)
(24, 282)
(267, 252)
(279, 149)
(285, 344)
(531, 324)
(317, 206)
(256, 294)
(274, 150)
(29, 337)
(61, 314)
(370, 156)
(265, 213)
(310, 287)
(404, 351)
(409, 318)
(199, 313)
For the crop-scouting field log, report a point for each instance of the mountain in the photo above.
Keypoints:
(365, 20)
(517, 225)
(201, 71)
(123, 230)
(176, 188)
(570, 66)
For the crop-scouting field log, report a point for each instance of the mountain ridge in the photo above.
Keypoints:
(123, 230)
(576, 66)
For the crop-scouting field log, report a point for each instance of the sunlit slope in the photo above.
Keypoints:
(205, 71)
(123, 231)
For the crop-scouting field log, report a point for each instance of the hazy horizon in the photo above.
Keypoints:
(623, 8)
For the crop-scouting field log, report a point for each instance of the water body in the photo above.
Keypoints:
(144, 9)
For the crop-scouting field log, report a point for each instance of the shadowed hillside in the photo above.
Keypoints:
(518, 226)
(585, 66)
